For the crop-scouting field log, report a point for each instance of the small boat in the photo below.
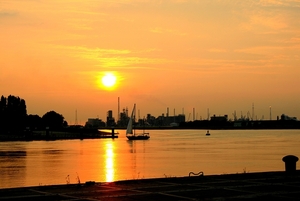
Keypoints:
(144, 136)
(207, 133)
(130, 132)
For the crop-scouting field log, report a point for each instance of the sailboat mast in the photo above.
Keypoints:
(133, 113)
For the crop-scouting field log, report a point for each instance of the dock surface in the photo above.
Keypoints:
(232, 187)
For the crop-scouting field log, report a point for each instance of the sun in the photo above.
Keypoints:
(108, 80)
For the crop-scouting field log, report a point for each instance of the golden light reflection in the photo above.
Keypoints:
(108, 80)
(109, 162)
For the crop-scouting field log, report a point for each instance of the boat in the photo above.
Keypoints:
(130, 131)
(207, 133)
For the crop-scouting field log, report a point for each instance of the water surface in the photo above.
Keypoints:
(168, 153)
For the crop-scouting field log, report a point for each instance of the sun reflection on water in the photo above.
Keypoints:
(109, 162)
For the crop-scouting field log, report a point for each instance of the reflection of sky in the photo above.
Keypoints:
(13, 164)
(109, 162)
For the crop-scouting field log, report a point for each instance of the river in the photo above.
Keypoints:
(168, 153)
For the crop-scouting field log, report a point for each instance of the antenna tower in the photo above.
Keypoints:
(76, 118)
(118, 108)
(207, 113)
(252, 111)
(193, 114)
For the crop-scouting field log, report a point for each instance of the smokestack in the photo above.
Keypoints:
(167, 111)
(252, 111)
(207, 113)
(118, 108)
(193, 114)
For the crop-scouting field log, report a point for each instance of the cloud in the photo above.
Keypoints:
(276, 22)
(287, 3)
(81, 50)
(112, 58)
(295, 40)
(216, 50)
(161, 30)
(7, 14)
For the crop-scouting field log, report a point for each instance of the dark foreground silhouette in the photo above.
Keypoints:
(231, 187)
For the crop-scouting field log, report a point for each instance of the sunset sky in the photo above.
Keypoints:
(224, 55)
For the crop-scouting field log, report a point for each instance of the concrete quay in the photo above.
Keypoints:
(229, 187)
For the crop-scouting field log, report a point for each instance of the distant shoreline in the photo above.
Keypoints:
(192, 128)
(110, 133)
(58, 135)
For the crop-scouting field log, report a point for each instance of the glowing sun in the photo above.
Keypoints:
(109, 80)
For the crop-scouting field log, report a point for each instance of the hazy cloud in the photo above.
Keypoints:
(217, 50)
(170, 31)
(8, 14)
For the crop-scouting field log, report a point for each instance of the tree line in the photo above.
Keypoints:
(14, 119)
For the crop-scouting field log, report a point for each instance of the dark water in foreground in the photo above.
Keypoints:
(168, 153)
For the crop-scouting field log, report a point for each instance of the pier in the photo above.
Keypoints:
(61, 135)
(230, 187)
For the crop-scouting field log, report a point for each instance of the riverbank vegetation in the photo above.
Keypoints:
(16, 124)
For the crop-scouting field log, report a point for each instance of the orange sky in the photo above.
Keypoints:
(218, 54)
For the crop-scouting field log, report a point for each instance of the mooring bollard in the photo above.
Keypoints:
(290, 163)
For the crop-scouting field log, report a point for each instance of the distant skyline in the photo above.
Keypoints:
(224, 55)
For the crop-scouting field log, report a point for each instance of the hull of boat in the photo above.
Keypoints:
(138, 137)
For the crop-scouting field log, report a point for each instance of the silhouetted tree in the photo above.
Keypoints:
(13, 114)
(34, 122)
(53, 120)
(3, 115)
(65, 124)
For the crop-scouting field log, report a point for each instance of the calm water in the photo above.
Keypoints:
(168, 153)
